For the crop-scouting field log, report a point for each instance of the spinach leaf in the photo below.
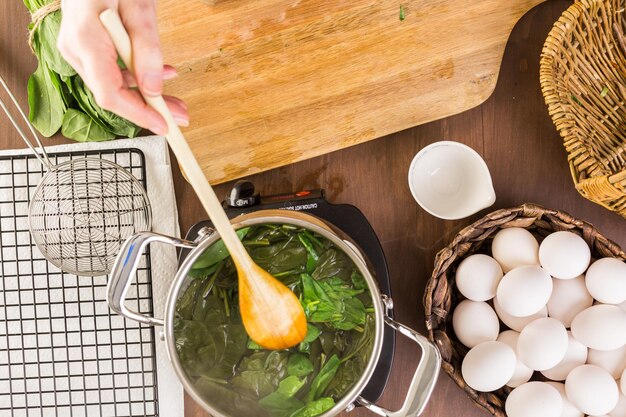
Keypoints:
(202, 273)
(216, 252)
(187, 302)
(347, 375)
(312, 333)
(110, 121)
(333, 302)
(252, 345)
(357, 280)
(333, 263)
(234, 349)
(315, 408)
(190, 337)
(335, 343)
(209, 310)
(290, 386)
(281, 257)
(255, 383)
(312, 255)
(261, 373)
(227, 400)
(45, 102)
(281, 403)
(34, 5)
(299, 365)
(85, 100)
(106, 119)
(45, 44)
(82, 128)
(361, 346)
(57, 82)
(323, 379)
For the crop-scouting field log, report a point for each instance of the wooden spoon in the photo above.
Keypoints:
(271, 313)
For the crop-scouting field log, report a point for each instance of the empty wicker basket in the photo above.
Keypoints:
(441, 296)
(583, 79)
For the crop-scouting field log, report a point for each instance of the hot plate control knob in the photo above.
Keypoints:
(242, 195)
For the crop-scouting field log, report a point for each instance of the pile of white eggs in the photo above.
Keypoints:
(565, 319)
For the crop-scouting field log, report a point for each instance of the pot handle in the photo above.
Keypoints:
(424, 379)
(125, 268)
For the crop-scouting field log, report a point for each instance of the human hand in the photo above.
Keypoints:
(87, 47)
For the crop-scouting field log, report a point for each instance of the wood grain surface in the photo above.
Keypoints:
(511, 130)
(273, 82)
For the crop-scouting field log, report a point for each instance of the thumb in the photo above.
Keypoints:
(139, 17)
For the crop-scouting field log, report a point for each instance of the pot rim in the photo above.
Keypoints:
(357, 259)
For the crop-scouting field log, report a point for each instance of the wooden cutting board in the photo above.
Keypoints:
(272, 82)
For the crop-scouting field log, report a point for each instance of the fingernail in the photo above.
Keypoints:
(152, 83)
(170, 75)
(181, 121)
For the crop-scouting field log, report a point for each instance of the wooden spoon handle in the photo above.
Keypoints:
(113, 24)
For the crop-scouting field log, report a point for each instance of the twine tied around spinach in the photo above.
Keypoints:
(38, 16)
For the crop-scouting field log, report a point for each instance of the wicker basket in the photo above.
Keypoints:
(441, 296)
(583, 78)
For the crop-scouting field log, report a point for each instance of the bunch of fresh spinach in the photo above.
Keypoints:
(241, 378)
(57, 96)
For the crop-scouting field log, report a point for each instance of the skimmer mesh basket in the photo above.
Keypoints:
(82, 211)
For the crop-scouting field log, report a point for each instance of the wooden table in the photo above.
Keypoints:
(511, 130)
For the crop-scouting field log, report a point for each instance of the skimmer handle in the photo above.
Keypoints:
(43, 156)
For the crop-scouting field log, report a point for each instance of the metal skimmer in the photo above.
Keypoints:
(83, 209)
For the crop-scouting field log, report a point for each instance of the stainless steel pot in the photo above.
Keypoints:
(427, 371)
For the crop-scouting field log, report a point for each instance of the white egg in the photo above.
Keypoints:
(517, 323)
(569, 297)
(568, 408)
(513, 247)
(575, 356)
(623, 382)
(475, 322)
(564, 255)
(620, 408)
(488, 366)
(592, 390)
(477, 277)
(524, 291)
(614, 361)
(534, 399)
(542, 344)
(601, 327)
(606, 280)
(522, 372)
(623, 306)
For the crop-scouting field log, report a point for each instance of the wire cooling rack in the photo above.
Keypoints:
(62, 352)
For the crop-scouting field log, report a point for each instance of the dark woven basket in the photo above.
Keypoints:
(441, 295)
